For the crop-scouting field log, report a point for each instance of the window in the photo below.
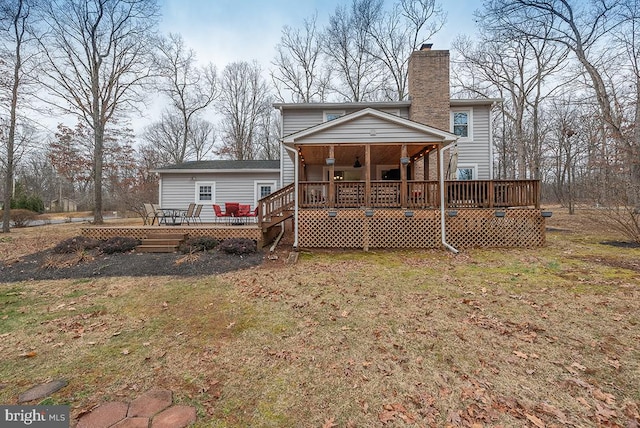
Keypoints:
(205, 192)
(461, 124)
(263, 189)
(466, 172)
(461, 121)
(331, 115)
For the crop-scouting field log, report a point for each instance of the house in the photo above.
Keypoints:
(415, 173)
(216, 182)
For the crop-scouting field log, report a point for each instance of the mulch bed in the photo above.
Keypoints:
(46, 265)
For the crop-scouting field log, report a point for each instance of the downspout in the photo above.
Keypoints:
(491, 140)
(443, 232)
(295, 197)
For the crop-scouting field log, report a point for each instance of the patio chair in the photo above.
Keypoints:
(196, 214)
(219, 214)
(188, 214)
(231, 209)
(244, 210)
(150, 215)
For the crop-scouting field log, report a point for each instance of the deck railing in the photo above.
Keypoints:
(421, 194)
(276, 206)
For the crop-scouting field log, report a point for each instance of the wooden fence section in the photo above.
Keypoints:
(421, 194)
(392, 228)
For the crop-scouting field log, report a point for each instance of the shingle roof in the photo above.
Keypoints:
(222, 165)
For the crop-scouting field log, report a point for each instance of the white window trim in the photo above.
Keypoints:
(197, 192)
(327, 112)
(256, 189)
(472, 166)
(469, 112)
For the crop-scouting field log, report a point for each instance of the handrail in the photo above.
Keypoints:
(276, 204)
(422, 194)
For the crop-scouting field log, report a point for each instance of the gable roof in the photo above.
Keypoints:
(363, 127)
(222, 165)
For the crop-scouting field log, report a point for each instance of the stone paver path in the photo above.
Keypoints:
(153, 409)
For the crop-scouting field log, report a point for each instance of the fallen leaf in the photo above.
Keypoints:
(329, 423)
(387, 416)
(521, 355)
(578, 366)
(602, 396)
(613, 363)
(29, 354)
(125, 352)
(535, 420)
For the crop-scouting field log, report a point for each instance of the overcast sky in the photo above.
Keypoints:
(223, 31)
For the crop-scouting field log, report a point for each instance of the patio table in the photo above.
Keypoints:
(174, 214)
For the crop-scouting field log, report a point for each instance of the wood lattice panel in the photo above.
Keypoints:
(141, 232)
(389, 228)
(481, 228)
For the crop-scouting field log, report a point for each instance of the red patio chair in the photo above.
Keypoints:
(219, 213)
(244, 210)
(231, 209)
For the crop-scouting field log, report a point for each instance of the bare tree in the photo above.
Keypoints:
(347, 46)
(244, 100)
(190, 88)
(202, 138)
(580, 27)
(524, 72)
(97, 54)
(17, 15)
(299, 73)
(166, 138)
(396, 33)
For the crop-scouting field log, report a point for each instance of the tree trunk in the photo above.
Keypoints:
(8, 183)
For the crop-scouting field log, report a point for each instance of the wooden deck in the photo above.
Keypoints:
(214, 230)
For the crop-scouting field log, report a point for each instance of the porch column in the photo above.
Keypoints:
(332, 187)
(403, 178)
(367, 176)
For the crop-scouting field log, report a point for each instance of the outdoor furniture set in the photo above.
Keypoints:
(234, 214)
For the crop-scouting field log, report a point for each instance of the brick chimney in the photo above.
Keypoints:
(429, 87)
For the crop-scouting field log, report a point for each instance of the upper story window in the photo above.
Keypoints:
(334, 114)
(461, 123)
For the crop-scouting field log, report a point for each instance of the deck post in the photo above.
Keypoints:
(403, 178)
(367, 176)
(332, 186)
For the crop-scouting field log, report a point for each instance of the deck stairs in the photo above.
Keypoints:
(158, 242)
(277, 207)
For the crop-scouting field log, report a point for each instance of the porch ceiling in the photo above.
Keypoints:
(346, 154)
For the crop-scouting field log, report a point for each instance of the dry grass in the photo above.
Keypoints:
(491, 337)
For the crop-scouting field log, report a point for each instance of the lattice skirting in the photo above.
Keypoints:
(142, 232)
(393, 229)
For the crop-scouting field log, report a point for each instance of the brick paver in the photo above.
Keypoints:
(150, 403)
(104, 416)
(153, 408)
(175, 417)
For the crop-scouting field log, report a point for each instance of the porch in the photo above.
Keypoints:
(408, 214)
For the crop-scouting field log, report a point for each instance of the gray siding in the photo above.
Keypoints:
(478, 150)
(359, 131)
(288, 170)
(179, 190)
(296, 120)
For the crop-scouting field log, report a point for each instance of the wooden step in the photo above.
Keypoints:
(144, 248)
(161, 241)
(167, 235)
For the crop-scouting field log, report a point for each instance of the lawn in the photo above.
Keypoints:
(489, 337)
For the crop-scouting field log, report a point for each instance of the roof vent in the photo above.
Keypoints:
(426, 46)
